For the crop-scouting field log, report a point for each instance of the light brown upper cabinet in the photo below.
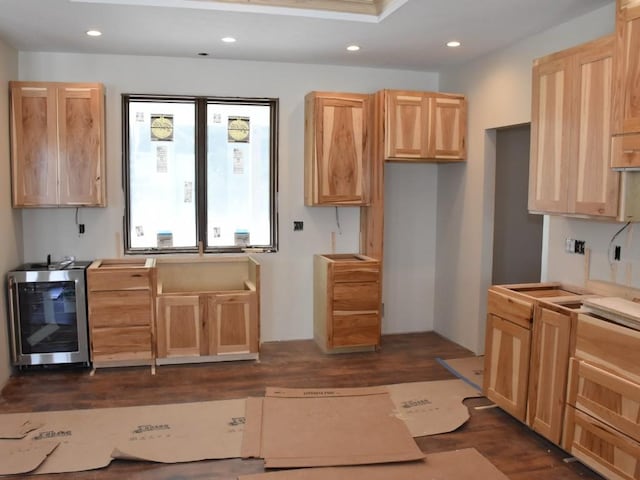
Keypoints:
(337, 148)
(626, 138)
(58, 144)
(424, 126)
(571, 128)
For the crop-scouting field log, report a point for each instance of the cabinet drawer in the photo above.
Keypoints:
(119, 279)
(607, 397)
(118, 309)
(112, 342)
(609, 346)
(510, 308)
(356, 329)
(602, 448)
(356, 272)
(356, 296)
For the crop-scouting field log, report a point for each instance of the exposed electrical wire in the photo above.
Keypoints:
(338, 222)
(615, 235)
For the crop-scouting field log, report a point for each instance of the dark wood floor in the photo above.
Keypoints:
(512, 447)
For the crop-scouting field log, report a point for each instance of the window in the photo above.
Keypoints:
(200, 173)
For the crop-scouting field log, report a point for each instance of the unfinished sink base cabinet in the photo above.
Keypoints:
(121, 312)
(347, 302)
(208, 310)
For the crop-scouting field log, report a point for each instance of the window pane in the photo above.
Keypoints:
(238, 175)
(162, 196)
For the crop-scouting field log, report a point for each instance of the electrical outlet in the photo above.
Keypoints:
(579, 247)
(572, 245)
(297, 225)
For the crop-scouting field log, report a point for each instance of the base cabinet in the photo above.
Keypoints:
(507, 351)
(121, 313)
(208, 310)
(347, 302)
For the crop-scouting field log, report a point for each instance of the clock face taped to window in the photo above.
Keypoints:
(162, 128)
(238, 130)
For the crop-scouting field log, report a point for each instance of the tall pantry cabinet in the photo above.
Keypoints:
(58, 144)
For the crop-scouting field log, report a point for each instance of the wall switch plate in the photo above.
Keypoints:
(572, 245)
(297, 225)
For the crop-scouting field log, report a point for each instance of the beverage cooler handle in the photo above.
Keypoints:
(14, 318)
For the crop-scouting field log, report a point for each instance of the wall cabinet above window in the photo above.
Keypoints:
(424, 126)
(57, 144)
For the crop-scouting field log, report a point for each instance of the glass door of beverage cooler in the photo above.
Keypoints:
(49, 318)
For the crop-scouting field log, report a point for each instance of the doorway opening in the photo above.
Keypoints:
(517, 234)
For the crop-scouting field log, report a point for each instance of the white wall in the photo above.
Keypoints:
(286, 275)
(498, 87)
(10, 220)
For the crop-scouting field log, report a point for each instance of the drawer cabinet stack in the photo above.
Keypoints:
(602, 422)
(120, 300)
(347, 302)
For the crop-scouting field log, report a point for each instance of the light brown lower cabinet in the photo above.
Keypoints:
(507, 351)
(207, 310)
(121, 313)
(548, 371)
(602, 424)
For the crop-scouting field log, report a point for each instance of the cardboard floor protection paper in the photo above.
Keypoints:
(456, 465)
(470, 369)
(90, 439)
(430, 408)
(327, 427)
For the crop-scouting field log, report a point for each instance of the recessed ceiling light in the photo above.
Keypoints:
(353, 48)
(453, 44)
(94, 33)
(228, 39)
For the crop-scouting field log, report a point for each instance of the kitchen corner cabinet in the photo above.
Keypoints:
(57, 144)
(570, 133)
(347, 302)
(424, 126)
(208, 310)
(626, 139)
(121, 311)
(507, 350)
(337, 148)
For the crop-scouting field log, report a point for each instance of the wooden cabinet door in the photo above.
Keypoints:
(628, 71)
(81, 145)
(407, 125)
(34, 146)
(448, 132)
(337, 148)
(506, 371)
(232, 322)
(550, 136)
(180, 326)
(596, 187)
(548, 373)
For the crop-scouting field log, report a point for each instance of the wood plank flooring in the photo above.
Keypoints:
(512, 447)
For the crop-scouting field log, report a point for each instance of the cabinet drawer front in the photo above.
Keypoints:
(610, 346)
(602, 448)
(118, 309)
(607, 397)
(121, 279)
(513, 309)
(356, 296)
(113, 341)
(356, 272)
(356, 329)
